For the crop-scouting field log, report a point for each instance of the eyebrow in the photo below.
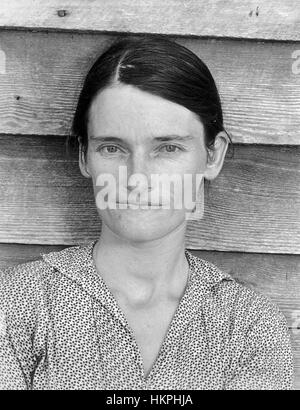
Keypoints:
(163, 138)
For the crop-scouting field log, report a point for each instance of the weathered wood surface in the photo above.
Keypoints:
(42, 74)
(272, 20)
(253, 205)
(275, 276)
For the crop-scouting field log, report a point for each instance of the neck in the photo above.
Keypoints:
(143, 272)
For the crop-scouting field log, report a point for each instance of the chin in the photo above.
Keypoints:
(142, 226)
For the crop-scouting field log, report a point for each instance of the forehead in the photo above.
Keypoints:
(126, 111)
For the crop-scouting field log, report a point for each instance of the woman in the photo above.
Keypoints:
(135, 309)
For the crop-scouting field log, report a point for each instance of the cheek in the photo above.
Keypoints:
(192, 172)
(98, 166)
(192, 164)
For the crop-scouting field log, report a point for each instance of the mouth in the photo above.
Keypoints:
(146, 205)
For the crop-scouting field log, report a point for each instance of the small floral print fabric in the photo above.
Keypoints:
(61, 328)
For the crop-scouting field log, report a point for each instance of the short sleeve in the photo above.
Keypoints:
(265, 362)
(11, 375)
(20, 306)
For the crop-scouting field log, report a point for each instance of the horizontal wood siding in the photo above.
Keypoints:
(254, 19)
(43, 73)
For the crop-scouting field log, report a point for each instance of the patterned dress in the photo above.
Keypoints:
(62, 328)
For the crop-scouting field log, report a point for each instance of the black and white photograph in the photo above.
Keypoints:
(149, 197)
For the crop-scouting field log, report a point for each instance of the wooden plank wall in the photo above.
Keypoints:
(251, 222)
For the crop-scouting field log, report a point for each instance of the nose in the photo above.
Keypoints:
(139, 164)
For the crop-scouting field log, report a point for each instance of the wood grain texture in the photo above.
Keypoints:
(272, 20)
(253, 205)
(275, 276)
(44, 72)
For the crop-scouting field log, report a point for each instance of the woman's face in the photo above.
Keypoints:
(149, 135)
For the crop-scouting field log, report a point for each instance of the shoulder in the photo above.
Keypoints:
(238, 301)
(252, 307)
(249, 302)
(25, 270)
(28, 283)
(31, 275)
(21, 285)
(25, 274)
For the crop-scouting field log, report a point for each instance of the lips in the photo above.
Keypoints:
(140, 204)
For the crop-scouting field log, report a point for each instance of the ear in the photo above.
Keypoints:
(216, 156)
(82, 162)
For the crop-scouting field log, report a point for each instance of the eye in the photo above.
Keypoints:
(169, 148)
(108, 149)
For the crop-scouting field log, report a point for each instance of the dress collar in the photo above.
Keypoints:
(77, 264)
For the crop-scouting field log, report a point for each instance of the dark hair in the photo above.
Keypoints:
(159, 66)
